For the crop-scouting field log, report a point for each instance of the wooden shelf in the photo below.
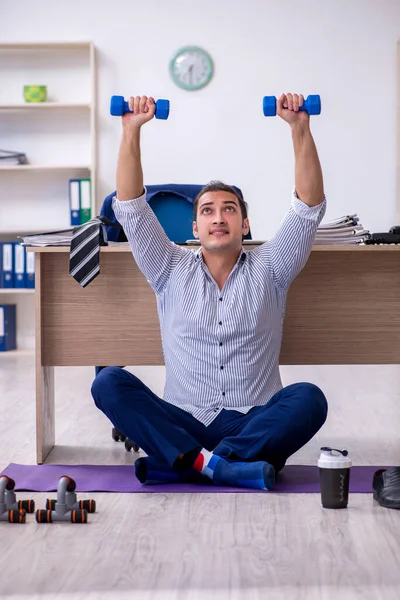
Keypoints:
(45, 168)
(45, 45)
(16, 291)
(44, 105)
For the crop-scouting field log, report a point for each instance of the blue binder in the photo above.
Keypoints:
(7, 264)
(8, 329)
(29, 269)
(19, 265)
(75, 201)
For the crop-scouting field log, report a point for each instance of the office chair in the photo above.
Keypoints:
(173, 206)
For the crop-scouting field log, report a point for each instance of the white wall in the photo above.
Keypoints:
(344, 50)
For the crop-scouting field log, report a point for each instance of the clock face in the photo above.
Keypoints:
(191, 68)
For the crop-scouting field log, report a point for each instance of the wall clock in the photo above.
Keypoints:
(191, 68)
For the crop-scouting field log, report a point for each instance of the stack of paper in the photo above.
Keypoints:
(8, 157)
(51, 238)
(344, 230)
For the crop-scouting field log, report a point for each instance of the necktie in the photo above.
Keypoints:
(84, 258)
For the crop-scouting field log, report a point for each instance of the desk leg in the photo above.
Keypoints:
(45, 414)
(45, 418)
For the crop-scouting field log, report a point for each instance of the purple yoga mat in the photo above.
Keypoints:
(121, 478)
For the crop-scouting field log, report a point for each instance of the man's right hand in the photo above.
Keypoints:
(143, 110)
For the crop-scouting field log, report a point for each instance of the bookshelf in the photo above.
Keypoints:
(43, 106)
(59, 138)
(18, 168)
(7, 292)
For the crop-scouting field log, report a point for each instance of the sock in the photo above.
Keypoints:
(152, 471)
(256, 475)
(205, 463)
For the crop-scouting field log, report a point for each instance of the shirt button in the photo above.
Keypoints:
(220, 323)
(223, 393)
(215, 409)
(220, 343)
(222, 366)
(220, 299)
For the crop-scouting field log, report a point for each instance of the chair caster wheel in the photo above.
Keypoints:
(130, 445)
(117, 436)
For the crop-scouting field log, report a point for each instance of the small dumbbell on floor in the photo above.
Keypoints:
(312, 105)
(11, 500)
(119, 106)
(11, 515)
(73, 503)
(66, 507)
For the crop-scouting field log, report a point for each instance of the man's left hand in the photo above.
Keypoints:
(287, 107)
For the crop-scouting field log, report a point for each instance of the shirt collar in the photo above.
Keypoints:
(241, 259)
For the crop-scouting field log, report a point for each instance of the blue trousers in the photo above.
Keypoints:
(272, 432)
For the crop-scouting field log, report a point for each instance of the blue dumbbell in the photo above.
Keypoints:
(119, 106)
(312, 105)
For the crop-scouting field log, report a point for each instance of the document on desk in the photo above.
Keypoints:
(341, 231)
(47, 238)
(320, 241)
(341, 222)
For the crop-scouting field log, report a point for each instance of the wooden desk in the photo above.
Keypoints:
(343, 308)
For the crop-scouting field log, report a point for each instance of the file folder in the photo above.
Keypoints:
(8, 331)
(86, 200)
(19, 265)
(29, 269)
(74, 202)
(7, 265)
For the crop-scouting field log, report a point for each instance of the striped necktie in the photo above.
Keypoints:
(84, 258)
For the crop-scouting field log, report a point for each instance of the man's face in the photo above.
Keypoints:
(220, 225)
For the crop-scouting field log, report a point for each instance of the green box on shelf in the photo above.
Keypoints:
(35, 93)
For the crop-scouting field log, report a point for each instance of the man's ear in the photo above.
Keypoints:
(245, 227)
(195, 232)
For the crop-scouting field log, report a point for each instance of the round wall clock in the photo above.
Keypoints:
(191, 68)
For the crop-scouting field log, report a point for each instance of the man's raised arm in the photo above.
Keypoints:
(155, 255)
(308, 173)
(287, 252)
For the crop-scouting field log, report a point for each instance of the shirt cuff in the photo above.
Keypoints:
(136, 205)
(312, 213)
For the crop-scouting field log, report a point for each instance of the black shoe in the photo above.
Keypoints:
(386, 486)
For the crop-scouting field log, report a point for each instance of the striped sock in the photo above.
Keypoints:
(256, 475)
(206, 462)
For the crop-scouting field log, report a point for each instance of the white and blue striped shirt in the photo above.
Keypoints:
(221, 348)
